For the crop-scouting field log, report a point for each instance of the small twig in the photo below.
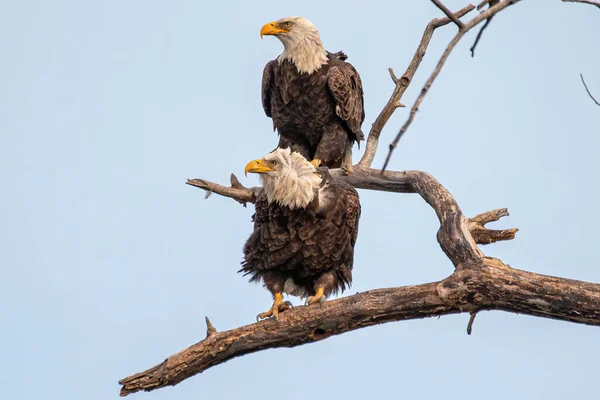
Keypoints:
(393, 75)
(470, 324)
(588, 90)
(487, 22)
(235, 182)
(448, 13)
(594, 3)
(210, 329)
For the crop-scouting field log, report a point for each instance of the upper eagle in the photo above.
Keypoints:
(314, 97)
(305, 229)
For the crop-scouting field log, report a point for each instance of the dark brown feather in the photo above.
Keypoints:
(306, 245)
(316, 115)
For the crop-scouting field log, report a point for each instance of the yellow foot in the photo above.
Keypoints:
(278, 306)
(319, 297)
(316, 162)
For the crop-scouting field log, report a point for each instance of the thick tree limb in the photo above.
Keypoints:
(490, 12)
(402, 84)
(485, 285)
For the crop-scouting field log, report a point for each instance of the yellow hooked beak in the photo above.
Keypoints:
(271, 29)
(258, 167)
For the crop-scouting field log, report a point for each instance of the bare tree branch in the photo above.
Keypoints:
(237, 191)
(402, 84)
(594, 3)
(588, 90)
(461, 32)
(485, 285)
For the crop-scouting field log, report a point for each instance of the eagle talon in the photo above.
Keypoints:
(316, 162)
(278, 306)
(319, 297)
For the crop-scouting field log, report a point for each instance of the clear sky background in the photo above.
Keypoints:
(110, 262)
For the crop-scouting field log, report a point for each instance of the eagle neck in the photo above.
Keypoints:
(307, 54)
(292, 189)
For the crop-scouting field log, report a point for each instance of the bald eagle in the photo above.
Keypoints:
(305, 229)
(314, 97)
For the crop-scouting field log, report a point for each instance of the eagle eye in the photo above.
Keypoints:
(273, 162)
(287, 24)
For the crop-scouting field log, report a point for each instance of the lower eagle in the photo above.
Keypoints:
(305, 229)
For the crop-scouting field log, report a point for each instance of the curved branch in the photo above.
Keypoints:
(487, 285)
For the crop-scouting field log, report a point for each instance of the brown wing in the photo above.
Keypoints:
(346, 88)
(329, 242)
(267, 86)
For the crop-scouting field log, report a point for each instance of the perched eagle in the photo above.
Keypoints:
(314, 97)
(305, 229)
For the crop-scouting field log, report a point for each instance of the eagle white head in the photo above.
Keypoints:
(287, 177)
(301, 43)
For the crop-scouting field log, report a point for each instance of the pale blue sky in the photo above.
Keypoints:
(110, 262)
